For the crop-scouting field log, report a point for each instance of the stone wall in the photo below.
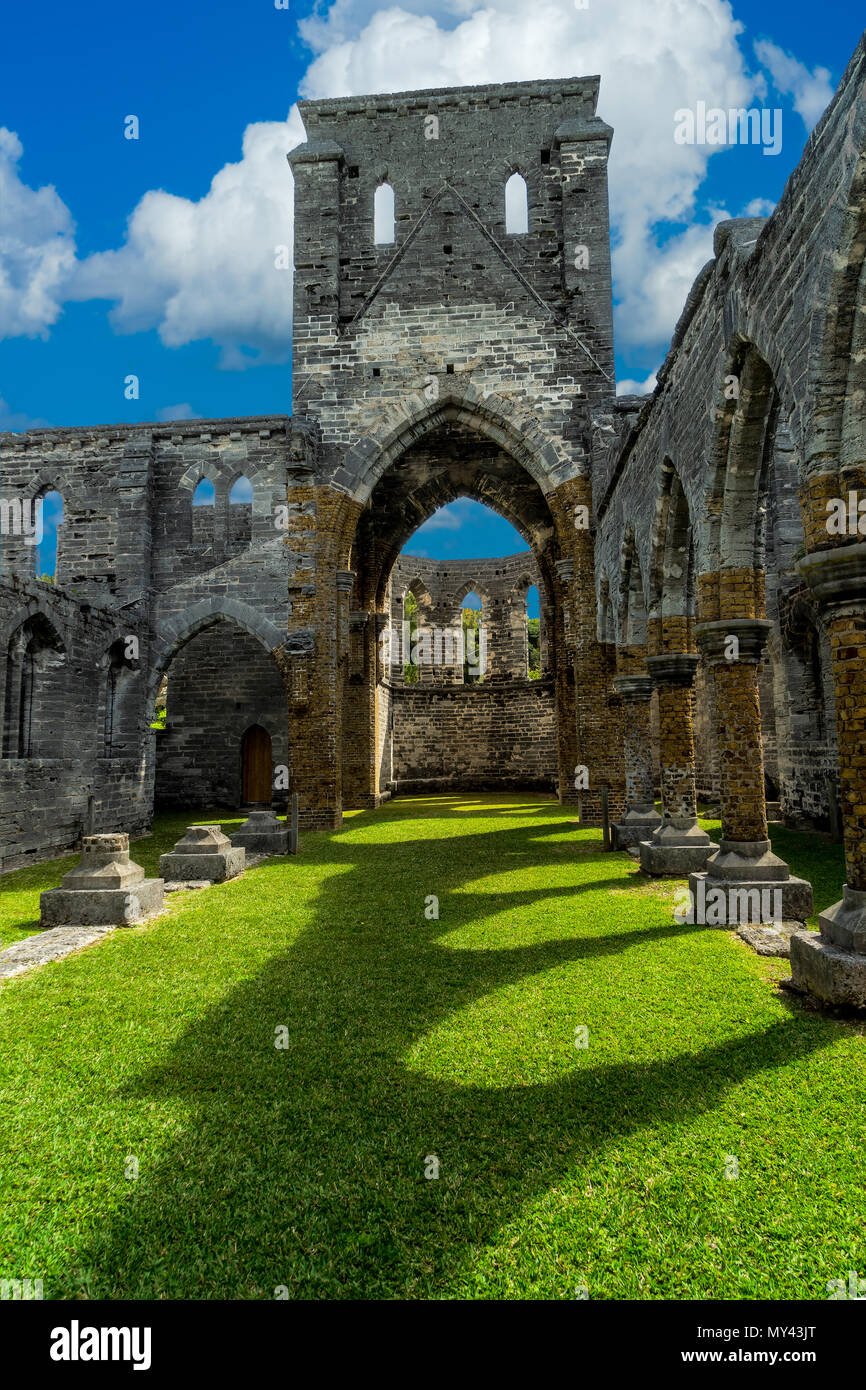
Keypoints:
(138, 563)
(220, 683)
(73, 757)
(469, 737)
(461, 359)
(442, 732)
(740, 421)
(455, 296)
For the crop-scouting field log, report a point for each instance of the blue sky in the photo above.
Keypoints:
(163, 305)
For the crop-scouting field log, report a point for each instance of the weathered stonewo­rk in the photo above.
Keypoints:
(466, 359)
(104, 889)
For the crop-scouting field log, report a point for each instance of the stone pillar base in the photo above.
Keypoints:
(738, 860)
(101, 907)
(844, 924)
(745, 882)
(832, 964)
(105, 889)
(203, 854)
(262, 833)
(678, 847)
(722, 902)
(636, 825)
(834, 976)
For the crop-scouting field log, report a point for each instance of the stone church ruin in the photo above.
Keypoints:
(703, 623)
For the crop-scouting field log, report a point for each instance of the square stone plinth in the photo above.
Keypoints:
(677, 860)
(262, 833)
(731, 904)
(834, 976)
(213, 868)
(101, 907)
(626, 834)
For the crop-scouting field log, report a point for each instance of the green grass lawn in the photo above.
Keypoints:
(411, 1038)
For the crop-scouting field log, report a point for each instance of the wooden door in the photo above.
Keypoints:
(256, 763)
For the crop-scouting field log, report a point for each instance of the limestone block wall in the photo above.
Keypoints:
(763, 298)
(234, 548)
(455, 299)
(467, 737)
(136, 561)
(220, 683)
(68, 764)
(384, 733)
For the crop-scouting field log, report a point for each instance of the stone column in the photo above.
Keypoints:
(641, 817)
(382, 707)
(566, 711)
(447, 645)
(321, 525)
(749, 883)
(422, 648)
(678, 846)
(357, 669)
(832, 965)
(360, 782)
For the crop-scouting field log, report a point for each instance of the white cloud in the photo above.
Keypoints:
(17, 421)
(637, 388)
(653, 59)
(37, 249)
(207, 269)
(759, 207)
(448, 518)
(654, 281)
(177, 412)
(810, 91)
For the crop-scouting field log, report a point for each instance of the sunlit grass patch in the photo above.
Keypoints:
(564, 1156)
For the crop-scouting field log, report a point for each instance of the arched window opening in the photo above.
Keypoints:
(516, 206)
(240, 512)
(533, 633)
(160, 709)
(47, 519)
(241, 492)
(30, 716)
(474, 652)
(205, 494)
(116, 667)
(203, 513)
(383, 215)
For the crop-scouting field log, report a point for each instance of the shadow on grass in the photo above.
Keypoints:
(32, 925)
(304, 1166)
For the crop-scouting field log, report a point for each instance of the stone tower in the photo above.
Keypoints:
(464, 354)
(527, 315)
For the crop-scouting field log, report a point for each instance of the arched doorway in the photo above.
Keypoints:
(448, 464)
(256, 764)
(221, 681)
